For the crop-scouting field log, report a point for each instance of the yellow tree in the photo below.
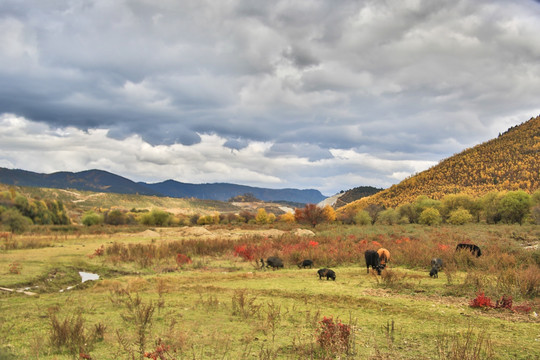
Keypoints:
(287, 217)
(329, 213)
(261, 217)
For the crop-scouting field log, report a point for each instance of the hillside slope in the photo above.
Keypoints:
(77, 201)
(508, 162)
(346, 197)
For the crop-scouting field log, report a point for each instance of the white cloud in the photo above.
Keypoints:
(71, 149)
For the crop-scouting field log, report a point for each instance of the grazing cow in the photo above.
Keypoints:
(384, 257)
(474, 249)
(305, 263)
(330, 274)
(434, 273)
(372, 259)
(273, 261)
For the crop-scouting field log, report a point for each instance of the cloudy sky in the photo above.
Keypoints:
(317, 94)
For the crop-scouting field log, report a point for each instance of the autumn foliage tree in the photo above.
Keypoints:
(310, 214)
(329, 213)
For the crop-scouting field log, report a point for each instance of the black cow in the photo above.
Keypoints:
(474, 249)
(273, 261)
(330, 274)
(305, 263)
(372, 259)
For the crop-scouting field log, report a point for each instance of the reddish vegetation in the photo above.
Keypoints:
(481, 301)
(182, 259)
(160, 353)
(505, 302)
(100, 251)
(333, 336)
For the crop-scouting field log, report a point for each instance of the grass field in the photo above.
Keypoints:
(221, 306)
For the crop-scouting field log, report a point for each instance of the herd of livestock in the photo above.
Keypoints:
(376, 259)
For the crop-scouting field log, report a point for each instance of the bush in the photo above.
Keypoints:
(481, 301)
(115, 217)
(514, 206)
(430, 216)
(262, 217)
(15, 221)
(460, 217)
(388, 217)
(287, 218)
(362, 218)
(156, 218)
(333, 337)
(182, 259)
(91, 218)
(160, 217)
(70, 334)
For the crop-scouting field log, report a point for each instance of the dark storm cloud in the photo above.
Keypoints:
(303, 84)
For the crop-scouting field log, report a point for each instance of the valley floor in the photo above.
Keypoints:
(223, 307)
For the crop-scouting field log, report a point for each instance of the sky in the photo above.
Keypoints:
(307, 94)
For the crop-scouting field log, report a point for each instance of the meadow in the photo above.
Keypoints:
(199, 293)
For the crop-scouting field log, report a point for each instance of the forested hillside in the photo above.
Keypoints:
(509, 162)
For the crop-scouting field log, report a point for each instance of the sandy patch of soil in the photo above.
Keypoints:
(148, 233)
(194, 231)
(303, 232)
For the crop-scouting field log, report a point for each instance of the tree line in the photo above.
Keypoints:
(456, 209)
(17, 213)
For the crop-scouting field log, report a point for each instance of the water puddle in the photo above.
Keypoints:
(85, 276)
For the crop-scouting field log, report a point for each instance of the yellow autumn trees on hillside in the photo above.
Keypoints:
(506, 163)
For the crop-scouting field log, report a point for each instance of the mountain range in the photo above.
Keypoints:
(103, 181)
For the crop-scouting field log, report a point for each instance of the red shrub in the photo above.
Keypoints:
(481, 301)
(504, 303)
(182, 259)
(161, 352)
(333, 336)
(246, 252)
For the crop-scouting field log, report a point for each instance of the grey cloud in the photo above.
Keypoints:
(400, 80)
(309, 151)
